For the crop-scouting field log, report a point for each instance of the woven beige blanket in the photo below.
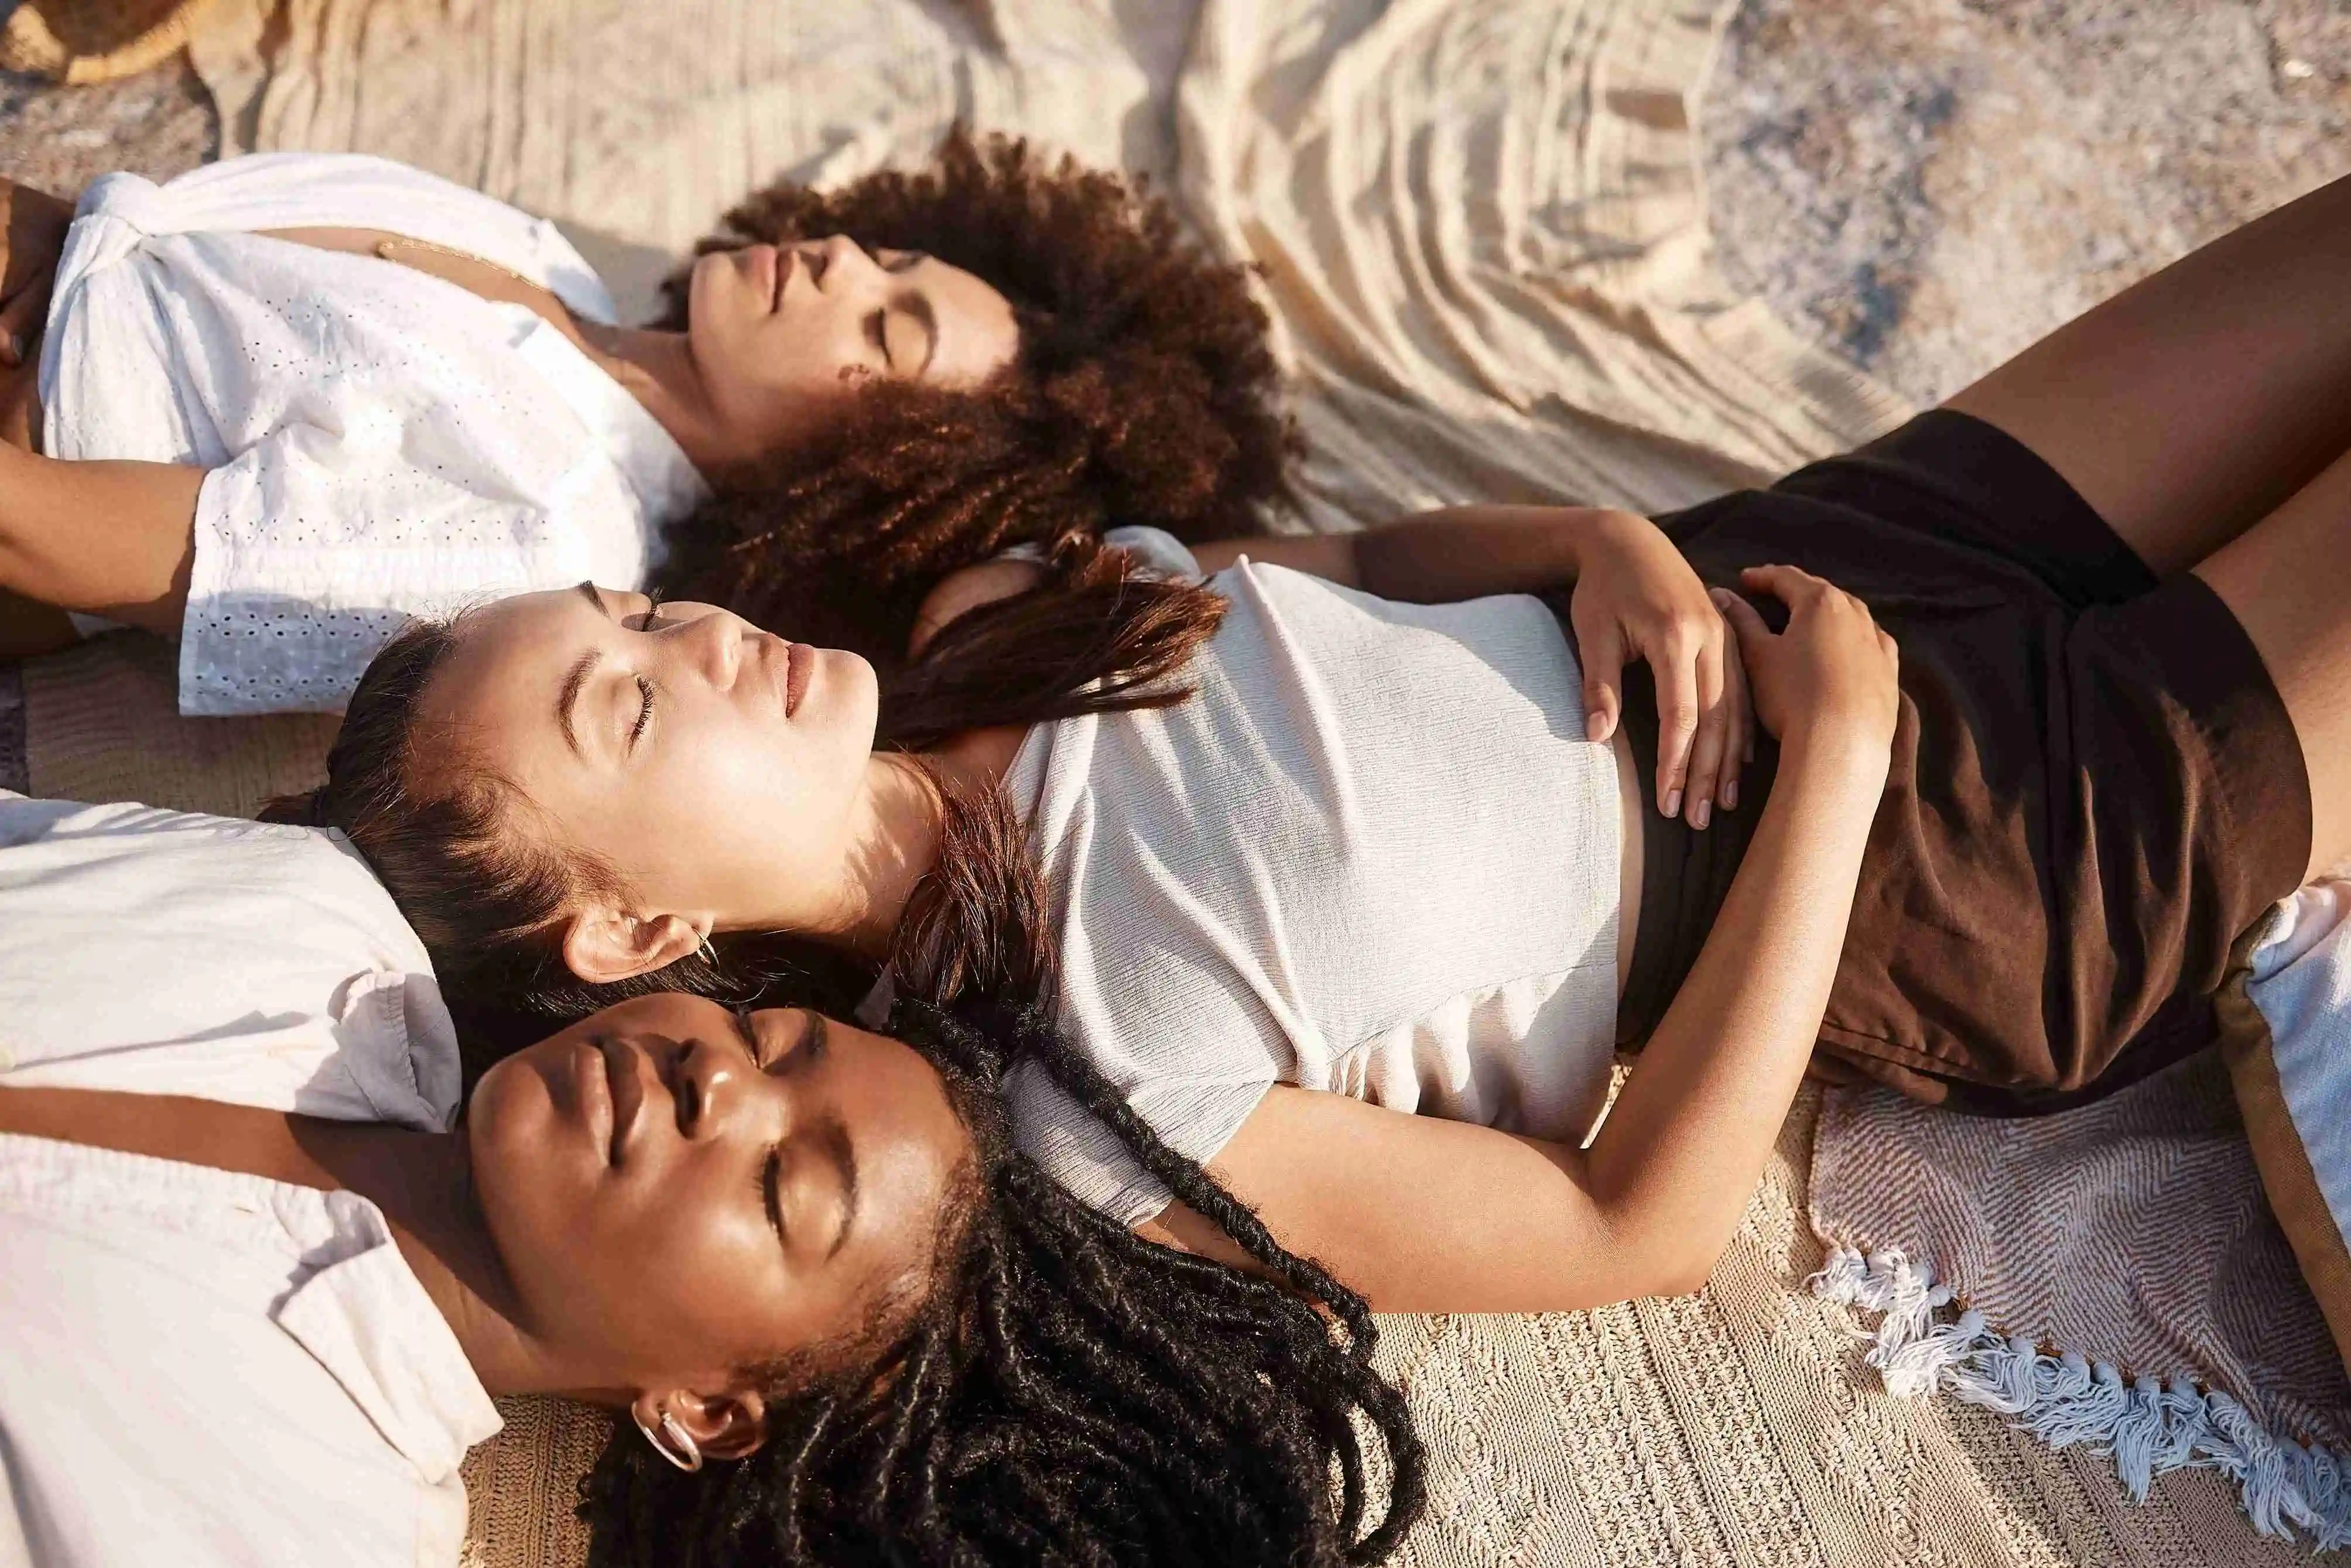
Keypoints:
(1483, 243)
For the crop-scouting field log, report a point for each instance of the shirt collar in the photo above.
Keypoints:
(335, 1279)
(368, 1320)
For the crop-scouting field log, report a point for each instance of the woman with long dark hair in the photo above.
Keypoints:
(841, 1319)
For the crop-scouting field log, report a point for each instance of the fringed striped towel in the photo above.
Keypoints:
(2111, 1277)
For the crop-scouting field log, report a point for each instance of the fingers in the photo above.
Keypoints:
(1739, 713)
(1746, 624)
(1675, 666)
(1603, 649)
(1714, 733)
(1790, 585)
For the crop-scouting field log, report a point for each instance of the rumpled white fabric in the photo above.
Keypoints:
(167, 953)
(218, 1370)
(199, 1367)
(380, 442)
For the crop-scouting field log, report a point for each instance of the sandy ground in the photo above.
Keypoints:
(1932, 184)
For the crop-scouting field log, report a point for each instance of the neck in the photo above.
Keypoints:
(897, 845)
(657, 369)
(424, 1183)
(897, 838)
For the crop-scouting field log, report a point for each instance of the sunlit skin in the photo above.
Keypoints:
(676, 1190)
(643, 1211)
(779, 337)
(746, 759)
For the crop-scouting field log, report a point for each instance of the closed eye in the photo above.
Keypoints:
(877, 332)
(644, 712)
(650, 619)
(771, 1186)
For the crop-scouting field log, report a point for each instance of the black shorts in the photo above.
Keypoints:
(2095, 792)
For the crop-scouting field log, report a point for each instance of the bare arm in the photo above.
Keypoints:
(111, 538)
(33, 225)
(1426, 1214)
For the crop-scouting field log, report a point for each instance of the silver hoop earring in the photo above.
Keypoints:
(709, 953)
(676, 1433)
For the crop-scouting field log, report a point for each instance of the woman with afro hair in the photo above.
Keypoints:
(282, 404)
(1142, 394)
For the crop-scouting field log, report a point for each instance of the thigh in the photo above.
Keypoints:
(2197, 400)
(2288, 582)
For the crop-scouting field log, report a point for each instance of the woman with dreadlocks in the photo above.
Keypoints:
(843, 1320)
(279, 404)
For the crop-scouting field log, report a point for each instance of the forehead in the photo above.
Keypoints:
(978, 332)
(497, 649)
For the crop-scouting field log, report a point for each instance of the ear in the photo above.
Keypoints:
(722, 1426)
(605, 943)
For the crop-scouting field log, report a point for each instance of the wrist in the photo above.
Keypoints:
(1835, 746)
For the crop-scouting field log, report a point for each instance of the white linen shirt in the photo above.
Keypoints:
(197, 1367)
(170, 953)
(381, 442)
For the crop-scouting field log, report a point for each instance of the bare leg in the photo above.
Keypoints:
(2288, 579)
(2195, 402)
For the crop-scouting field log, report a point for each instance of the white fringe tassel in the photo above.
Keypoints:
(2148, 1427)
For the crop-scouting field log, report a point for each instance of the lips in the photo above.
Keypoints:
(800, 664)
(624, 1088)
(779, 270)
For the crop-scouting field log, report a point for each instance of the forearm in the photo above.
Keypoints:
(1674, 1164)
(1439, 557)
(107, 538)
(1469, 552)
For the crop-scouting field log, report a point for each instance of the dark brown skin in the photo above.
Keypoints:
(600, 1228)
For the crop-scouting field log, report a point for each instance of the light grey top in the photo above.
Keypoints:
(1374, 854)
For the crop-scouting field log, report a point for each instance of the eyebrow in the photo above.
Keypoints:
(582, 667)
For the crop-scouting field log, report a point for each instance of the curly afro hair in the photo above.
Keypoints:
(1144, 393)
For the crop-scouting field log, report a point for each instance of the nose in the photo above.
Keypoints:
(719, 1093)
(711, 644)
(846, 264)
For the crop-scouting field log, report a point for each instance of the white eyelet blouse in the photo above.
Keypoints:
(382, 443)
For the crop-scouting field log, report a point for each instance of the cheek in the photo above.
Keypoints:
(695, 1281)
(782, 380)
